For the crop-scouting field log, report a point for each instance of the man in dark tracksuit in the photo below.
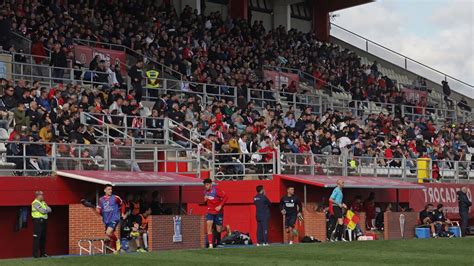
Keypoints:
(464, 204)
(291, 208)
(135, 73)
(262, 204)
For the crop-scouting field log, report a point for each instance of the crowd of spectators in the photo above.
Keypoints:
(210, 49)
(207, 49)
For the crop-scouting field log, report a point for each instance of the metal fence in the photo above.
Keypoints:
(238, 166)
(50, 76)
(401, 168)
(262, 98)
(205, 91)
(41, 159)
(140, 129)
(400, 60)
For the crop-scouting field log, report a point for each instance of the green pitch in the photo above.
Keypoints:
(416, 252)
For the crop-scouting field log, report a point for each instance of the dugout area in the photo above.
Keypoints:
(71, 221)
(240, 212)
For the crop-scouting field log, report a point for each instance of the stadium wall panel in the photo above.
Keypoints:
(161, 231)
(17, 243)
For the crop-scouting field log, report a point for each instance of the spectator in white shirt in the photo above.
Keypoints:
(184, 85)
(243, 144)
(289, 120)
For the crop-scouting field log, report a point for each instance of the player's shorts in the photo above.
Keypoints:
(290, 220)
(217, 219)
(112, 224)
(337, 212)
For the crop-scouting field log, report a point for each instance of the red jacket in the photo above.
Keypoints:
(215, 197)
(268, 153)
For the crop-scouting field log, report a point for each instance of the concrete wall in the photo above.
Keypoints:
(213, 7)
(301, 24)
(265, 17)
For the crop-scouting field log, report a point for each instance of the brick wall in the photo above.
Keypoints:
(161, 231)
(392, 225)
(314, 223)
(84, 223)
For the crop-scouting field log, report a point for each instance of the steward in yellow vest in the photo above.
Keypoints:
(152, 79)
(39, 213)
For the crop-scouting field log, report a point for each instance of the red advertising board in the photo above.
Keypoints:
(418, 97)
(280, 78)
(84, 54)
(440, 193)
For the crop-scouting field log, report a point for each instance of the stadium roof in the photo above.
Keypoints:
(132, 179)
(351, 181)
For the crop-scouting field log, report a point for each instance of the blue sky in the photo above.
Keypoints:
(438, 33)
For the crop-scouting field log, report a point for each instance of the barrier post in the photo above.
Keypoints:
(422, 166)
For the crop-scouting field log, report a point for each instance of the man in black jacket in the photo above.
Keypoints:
(262, 204)
(135, 74)
(8, 98)
(59, 62)
(291, 208)
(464, 204)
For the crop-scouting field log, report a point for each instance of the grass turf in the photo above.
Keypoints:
(403, 252)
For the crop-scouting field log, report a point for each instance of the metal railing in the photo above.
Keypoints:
(136, 55)
(20, 42)
(400, 168)
(105, 128)
(238, 166)
(262, 98)
(204, 90)
(42, 159)
(177, 134)
(135, 130)
(400, 60)
(308, 81)
(50, 76)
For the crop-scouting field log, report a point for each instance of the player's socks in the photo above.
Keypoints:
(338, 234)
(145, 241)
(209, 239)
(113, 241)
(218, 239)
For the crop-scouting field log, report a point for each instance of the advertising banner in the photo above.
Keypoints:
(440, 193)
(280, 78)
(417, 97)
(6, 66)
(85, 54)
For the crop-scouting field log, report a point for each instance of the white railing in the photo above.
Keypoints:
(400, 60)
(41, 159)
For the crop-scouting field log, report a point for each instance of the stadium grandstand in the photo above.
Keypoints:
(241, 92)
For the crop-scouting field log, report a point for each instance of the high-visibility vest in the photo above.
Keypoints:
(152, 79)
(35, 213)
